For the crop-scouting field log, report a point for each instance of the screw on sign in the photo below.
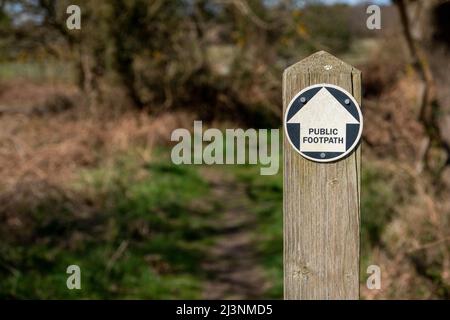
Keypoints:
(323, 122)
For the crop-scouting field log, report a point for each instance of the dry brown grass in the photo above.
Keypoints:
(41, 154)
(393, 129)
(22, 96)
(54, 147)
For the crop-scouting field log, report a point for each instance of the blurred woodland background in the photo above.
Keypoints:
(85, 123)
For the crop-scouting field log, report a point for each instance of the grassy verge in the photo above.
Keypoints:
(140, 229)
(378, 201)
(135, 233)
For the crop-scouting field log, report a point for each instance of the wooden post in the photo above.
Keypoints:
(321, 200)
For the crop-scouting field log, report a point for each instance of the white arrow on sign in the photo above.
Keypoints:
(323, 122)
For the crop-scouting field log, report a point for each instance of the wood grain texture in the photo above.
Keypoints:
(321, 200)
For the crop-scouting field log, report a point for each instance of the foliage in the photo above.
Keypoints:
(221, 59)
(140, 240)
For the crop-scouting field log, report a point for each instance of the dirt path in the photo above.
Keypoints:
(231, 264)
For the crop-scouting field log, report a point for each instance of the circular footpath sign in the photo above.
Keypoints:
(323, 122)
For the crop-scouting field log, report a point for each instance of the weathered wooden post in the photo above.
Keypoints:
(322, 164)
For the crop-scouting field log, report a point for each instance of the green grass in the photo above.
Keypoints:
(161, 214)
(146, 208)
(378, 201)
(38, 71)
(266, 194)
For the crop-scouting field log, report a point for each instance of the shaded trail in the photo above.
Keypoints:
(231, 264)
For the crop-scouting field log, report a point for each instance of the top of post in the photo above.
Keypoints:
(322, 62)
